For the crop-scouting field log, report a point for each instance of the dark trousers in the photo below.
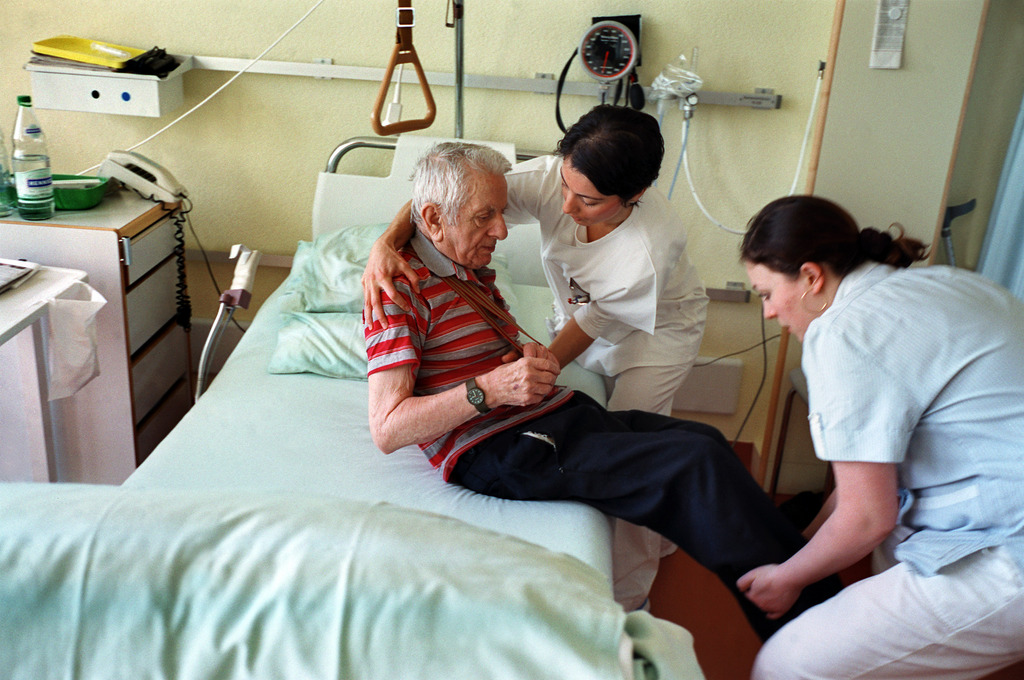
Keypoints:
(679, 478)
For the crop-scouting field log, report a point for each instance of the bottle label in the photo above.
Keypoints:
(34, 183)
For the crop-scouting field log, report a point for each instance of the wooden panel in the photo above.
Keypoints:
(890, 135)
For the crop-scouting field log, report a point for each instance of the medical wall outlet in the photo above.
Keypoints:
(74, 89)
(890, 32)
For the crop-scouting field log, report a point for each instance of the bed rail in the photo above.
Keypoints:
(389, 143)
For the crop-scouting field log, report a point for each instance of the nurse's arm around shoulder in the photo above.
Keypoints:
(865, 510)
(384, 265)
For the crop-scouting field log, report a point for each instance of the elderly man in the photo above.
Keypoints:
(495, 421)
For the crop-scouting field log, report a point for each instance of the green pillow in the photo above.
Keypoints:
(325, 343)
(327, 272)
(321, 310)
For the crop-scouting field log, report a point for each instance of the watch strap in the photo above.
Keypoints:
(481, 404)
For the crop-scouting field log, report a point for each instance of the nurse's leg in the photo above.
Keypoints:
(965, 622)
(637, 551)
(647, 388)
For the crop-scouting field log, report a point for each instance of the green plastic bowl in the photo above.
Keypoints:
(70, 197)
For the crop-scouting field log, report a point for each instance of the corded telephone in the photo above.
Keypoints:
(149, 178)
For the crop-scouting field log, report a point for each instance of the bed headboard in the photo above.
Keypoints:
(343, 200)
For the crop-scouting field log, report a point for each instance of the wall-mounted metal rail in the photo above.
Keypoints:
(543, 83)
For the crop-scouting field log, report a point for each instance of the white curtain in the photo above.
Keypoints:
(1002, 254)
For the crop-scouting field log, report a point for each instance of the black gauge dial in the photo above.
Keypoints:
(608, 51)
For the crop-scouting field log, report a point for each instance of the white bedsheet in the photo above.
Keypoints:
(309, 434)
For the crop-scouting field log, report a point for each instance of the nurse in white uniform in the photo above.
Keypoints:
(628, 303)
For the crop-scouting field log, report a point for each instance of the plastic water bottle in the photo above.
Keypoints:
(30, 163)
(7, 195)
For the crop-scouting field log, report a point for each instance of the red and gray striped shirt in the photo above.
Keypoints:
(444, 342)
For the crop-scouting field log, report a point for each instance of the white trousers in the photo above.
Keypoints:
(636, 551)
(965, 622)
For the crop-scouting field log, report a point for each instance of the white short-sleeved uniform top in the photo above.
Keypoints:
(924, 368)
(634, 290)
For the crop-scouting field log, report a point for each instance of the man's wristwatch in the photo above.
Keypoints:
(476, 397)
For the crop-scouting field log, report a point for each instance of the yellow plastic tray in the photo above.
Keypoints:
(87, 51)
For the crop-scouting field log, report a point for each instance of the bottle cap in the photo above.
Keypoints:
(24, 100)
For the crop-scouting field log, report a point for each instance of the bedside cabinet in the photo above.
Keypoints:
(126, 245)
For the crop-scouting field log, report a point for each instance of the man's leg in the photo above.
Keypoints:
(676, 477)
(636, 550)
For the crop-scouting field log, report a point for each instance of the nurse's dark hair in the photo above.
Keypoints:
(793, 230)
(617, 148)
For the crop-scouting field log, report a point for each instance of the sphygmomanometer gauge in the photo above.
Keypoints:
(608, 51)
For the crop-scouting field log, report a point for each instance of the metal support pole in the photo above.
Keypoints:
(459, 78)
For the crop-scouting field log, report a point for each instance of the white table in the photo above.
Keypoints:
(23, 370)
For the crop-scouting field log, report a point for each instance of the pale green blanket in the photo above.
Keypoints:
(113, 583)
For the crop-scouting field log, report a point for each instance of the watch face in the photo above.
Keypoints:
(475, 396)
(608, 51)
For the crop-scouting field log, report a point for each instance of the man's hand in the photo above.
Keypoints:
(384, 265)
(524, 381)
(535, 350)
(766, 587)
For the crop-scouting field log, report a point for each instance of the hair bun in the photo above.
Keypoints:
(875, 244)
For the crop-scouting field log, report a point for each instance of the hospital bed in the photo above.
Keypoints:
(291, 429)
(267, 536)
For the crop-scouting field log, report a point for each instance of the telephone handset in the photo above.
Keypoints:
(149, 178)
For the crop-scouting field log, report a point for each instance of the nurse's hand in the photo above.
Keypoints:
(384, 265)
(766, 587)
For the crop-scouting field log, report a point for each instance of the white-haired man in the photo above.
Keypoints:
(495, 421)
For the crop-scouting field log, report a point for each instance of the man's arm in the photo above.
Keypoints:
(385, 265)
(398, 418)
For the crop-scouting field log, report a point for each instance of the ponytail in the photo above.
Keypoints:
(901, 251)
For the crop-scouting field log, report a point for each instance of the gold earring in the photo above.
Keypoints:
(823, 307)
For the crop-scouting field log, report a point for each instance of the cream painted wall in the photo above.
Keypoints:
(250, 157)
(891, 135)
(892, 149)
(996, 92)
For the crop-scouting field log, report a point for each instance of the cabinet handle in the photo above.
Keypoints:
(126, 249)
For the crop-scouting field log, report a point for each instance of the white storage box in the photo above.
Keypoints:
(130, 94)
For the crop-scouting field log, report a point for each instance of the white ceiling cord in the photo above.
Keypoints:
(233, 78)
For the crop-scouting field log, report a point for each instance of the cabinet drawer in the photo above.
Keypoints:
(148, 249)
(156, 371)
(151, 304)
(162, 420)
